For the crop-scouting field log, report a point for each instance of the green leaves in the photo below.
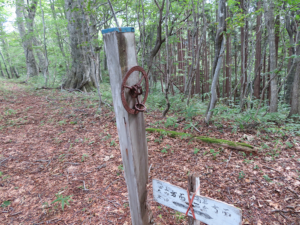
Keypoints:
(62, 200)
(5, 204)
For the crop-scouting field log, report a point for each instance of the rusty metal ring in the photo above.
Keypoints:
(144, 76)
(140, 109)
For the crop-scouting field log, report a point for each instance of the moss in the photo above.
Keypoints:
(201, 138)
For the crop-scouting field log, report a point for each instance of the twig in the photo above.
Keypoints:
(228, 159)
(16, 213)
(292, 192)
(49, 162)
(149, 168)
(42, 160)
(112, 203)
(101, 166)
(111, 184)
(285, 211)
(84, 186)
(73, 163)
(272, 169)
(3, 160)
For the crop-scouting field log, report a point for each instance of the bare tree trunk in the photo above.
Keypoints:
(1, 71)
(167, 52)
(8, 74)
(27, 36)
(295, 98)
(219, 53)
(81, 72)
(58, 36)
(228, 64)
(269, 17)
(290, 27)
(257, 54)
(45, 69)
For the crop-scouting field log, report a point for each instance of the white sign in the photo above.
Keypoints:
(207, 210)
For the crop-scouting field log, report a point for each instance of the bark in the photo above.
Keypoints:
(1, 71)
(58, 36)
(82, 73)
(295, 94)
(45, 69)
(228, 64)
(219, 54)
(8, 74)
(27, 35)
(167, 61)
(8, 57)
(257, 54)
(290, 27)
(270, 23)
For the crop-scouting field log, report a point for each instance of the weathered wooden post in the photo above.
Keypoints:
(193, 186)
(121, 57)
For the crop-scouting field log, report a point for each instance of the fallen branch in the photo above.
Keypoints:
(219, 142)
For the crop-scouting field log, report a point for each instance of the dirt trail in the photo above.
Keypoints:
(53, 146)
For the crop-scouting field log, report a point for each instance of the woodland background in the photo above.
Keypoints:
(243, 54)
(222, 69)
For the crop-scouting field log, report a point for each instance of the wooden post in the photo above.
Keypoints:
(121, 56)
(193, 184)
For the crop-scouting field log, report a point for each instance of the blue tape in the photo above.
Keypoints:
(120, 30)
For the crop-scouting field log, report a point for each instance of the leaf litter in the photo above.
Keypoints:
(54, 144)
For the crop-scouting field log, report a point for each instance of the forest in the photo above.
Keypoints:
(223, 103)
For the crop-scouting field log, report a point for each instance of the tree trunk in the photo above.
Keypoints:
(80, 75)
(290, 27)
(228, 64)
(1, 71)
(219, 53)
(270, 23)
(8, 74)
(167, 61)
(295, 93)
(26, 36)
(257, 54)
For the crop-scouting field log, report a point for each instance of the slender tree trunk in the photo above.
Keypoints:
(219, 54)
(1, 71)
(269, 17)
(228, 64)
(58, 36)
(290, 27)
(27, 36)
(257, 68)
(167, 61)
(8, 74)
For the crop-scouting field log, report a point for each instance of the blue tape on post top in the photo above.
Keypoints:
(121, 30)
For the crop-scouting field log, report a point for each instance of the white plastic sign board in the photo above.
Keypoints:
(207, 210)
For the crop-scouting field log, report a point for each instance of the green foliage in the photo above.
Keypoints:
(62, 200)
(241, 175)
(120, 167)
(164, 150)
(171, 122)
(267, 178)
(5, 204)
(289, 144)
(84, 156)
(214, 153)
(113, 143)
(196, 150)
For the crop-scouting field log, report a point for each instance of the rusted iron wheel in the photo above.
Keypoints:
(135, 91)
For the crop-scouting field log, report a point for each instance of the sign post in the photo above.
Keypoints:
(207, 210)
(121, 57)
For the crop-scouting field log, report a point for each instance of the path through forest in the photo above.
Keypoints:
(53, 146)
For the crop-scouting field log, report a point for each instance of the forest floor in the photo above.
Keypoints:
(53, 146)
